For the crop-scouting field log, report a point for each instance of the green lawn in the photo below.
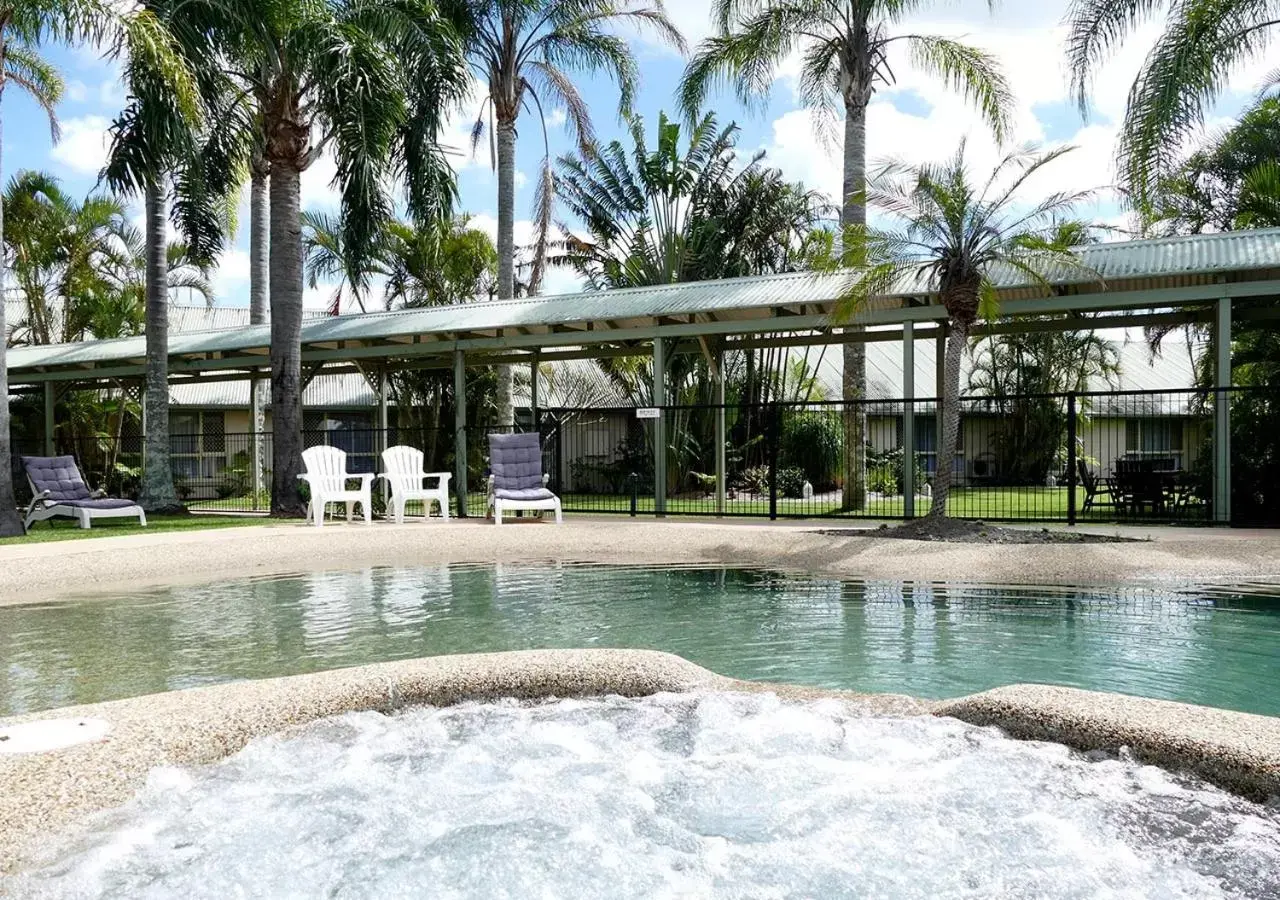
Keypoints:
(68, 530)
(995, 503)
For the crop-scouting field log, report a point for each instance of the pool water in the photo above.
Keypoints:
(670, 796)
(1216, 647)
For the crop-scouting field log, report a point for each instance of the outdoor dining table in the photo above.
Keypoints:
(1150, 482)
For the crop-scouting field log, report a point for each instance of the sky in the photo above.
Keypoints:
(916, 119)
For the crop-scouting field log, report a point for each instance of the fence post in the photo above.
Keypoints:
(1071, 458)
(634, 479)
(772, 437)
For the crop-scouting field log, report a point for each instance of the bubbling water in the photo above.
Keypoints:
(711, 795)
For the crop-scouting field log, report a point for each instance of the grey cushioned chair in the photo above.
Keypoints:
(517, 481)
(58, 489)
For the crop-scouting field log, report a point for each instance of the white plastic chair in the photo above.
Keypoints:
(406, 479)
(327, 477)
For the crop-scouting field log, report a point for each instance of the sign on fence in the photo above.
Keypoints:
(648, 412)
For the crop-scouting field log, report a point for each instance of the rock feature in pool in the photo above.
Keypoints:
(704, 794)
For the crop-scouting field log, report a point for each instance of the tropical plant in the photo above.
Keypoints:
(526, 52)
(23, 26)
(1023, 376)
(372, 80)
(667, 214)
(1232, 182)
(956, 237)
(1202, 43)
(844, 48)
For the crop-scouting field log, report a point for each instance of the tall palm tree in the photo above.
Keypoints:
(155, 140)
(844, 47)
(371, 79)
(526, 52)
(23, 25)
(1203, 42)
(956, 237)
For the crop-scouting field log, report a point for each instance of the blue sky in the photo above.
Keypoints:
(917, 119)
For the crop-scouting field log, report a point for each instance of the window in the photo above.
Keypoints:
(351, 432)
(926, 441)
(197, 443)
(1156, 438)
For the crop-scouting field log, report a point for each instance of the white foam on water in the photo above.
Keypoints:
(712, 795)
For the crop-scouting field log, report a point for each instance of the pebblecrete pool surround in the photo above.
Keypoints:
(46, 793)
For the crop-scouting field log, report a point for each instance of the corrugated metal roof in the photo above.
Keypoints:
(340, 391)
(580, 382)
(1153, 263)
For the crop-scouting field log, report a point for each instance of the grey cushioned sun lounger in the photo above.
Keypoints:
(58, 489)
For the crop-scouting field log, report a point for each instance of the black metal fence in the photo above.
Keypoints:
(1118, 456)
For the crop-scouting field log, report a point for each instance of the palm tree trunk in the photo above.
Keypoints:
(259, 272)
(286, 340)
(10, 523)
(957, 337)
(853, 211)
(157, 494)
(504, 411)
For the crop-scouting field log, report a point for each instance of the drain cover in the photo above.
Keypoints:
(51, 734)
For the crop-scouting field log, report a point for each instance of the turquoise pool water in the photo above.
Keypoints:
(1216, 647)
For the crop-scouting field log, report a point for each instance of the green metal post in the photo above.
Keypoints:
(660, 427)
(720, 433)
(460, 430)
(49, 404)
(908, 420)
(1222, 414)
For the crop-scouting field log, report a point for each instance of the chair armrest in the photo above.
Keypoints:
(442, 477)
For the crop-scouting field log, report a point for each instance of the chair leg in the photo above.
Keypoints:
(444, 507)
(368, 509)
(142, 518)
(317, 511)
(497, 512)
(83, 516)
(351, 511)
(559, 516)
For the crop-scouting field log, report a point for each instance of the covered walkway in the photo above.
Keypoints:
(1204, 279)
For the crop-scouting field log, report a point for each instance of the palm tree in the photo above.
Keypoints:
(373, 80)
(526, 51)
(23, 25)
(844, 47)
(955, 238)
(153, 139)
(1202, 43)
(1232, 182)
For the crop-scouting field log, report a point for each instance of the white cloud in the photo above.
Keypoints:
(556, 118)
(76, 91)
(316, 188)
(84, 145)
(521, 179)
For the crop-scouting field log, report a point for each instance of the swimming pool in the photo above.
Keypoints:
(1215, 647)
